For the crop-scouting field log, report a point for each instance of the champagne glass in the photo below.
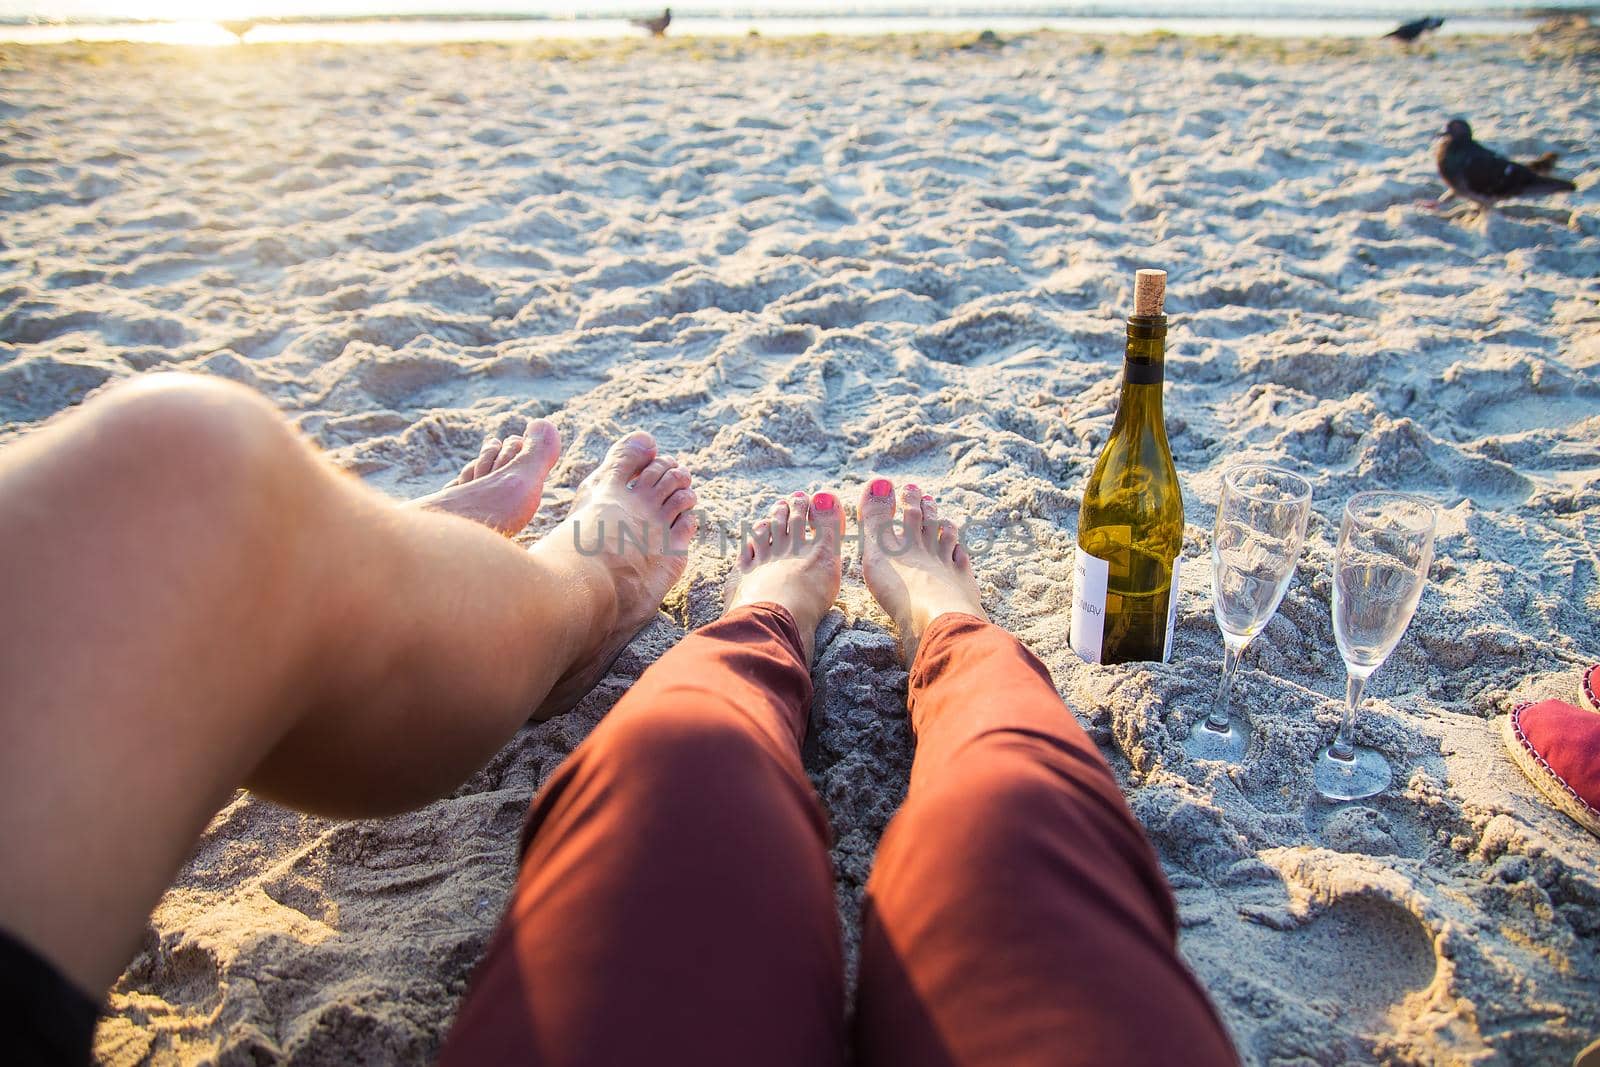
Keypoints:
(1385, 548)
(1261, 524)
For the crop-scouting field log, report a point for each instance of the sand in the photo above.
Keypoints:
(801, 263)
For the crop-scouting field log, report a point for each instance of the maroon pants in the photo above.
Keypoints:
(676, 901)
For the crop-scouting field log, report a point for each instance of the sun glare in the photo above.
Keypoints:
(178, 10)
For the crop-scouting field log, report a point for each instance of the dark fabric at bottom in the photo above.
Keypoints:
(44, 1018)
(676, 900)
(675, 904)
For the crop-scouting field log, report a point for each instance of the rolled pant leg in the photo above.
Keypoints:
(675, 903)
(1016, 913)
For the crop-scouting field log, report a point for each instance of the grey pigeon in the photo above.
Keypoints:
(1483, 176)
(658, 25)
(1410, 31)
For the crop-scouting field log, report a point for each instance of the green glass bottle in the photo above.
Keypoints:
(1130, 525)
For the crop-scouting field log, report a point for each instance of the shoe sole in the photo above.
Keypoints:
(1587, 698)
(1551, 784)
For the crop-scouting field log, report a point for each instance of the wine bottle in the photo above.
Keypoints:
(1130, 525)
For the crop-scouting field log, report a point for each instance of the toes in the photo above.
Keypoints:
(629, 456)
(911, 520)
(682, 529)
(877, 502)
(761, 541)
(944, 539)
(827, 518)
(960, 558)
(650, 477)
(469, 472)
(875, 513)
(672, 482)
(486, 457)
(799, 518)
(678, 502)
(941, 534)
(541, 446)
(778, 521)
(508, 451)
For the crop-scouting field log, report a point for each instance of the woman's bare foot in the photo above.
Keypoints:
(626, 541)
(916, 568)
(501, 486)
(792, 559)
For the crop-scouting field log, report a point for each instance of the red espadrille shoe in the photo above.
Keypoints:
(1558, 747)
(1589, 689)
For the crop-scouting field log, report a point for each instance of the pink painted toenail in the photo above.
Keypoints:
(799, 495)
(823, 501)
(911, 488)
(882, 487)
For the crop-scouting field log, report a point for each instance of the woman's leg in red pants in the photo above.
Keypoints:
(675, 904)
(1016, 913)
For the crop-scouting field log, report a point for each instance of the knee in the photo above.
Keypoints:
(187, 438)
(697, 763)
(980, 801)
(679, 741)
(1025, 819)
(1006, 811)
(186, 416)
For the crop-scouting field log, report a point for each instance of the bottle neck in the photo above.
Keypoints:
(1142, 368)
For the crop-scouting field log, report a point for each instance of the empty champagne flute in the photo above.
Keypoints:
(1385, 548)
(1261, 525)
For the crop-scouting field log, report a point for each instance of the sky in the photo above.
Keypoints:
(223, 9)
(210, 9)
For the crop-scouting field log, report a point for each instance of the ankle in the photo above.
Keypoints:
(592, 603)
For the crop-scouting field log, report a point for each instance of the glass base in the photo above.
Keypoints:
(1206, 742)
(1365, 774)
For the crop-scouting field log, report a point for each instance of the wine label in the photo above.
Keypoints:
(1172, 608)
(1090, 574)
(1089, 605)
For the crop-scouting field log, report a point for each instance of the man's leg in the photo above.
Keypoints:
(194, 600)
(675, 904)
(1016, 914)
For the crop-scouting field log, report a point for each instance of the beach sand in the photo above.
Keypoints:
(801, 263)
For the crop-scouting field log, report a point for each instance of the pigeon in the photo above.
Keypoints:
(1410, 31)
(658, 25)
(1544, 164)
(238, 28)
(1484, 177)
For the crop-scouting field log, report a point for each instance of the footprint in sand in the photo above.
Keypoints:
(1353, 966)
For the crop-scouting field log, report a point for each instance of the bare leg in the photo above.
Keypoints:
(676, 866)
(195, 600)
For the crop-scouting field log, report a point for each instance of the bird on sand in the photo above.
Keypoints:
(658, 25)
(238, 28)
(1410, 31)
(1484, 176)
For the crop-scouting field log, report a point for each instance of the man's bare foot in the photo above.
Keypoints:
(500, 488)
(916, 568)
(626, 539)
(792, 559)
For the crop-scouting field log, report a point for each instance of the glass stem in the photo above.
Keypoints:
(1218, 719)
(1342, 747)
